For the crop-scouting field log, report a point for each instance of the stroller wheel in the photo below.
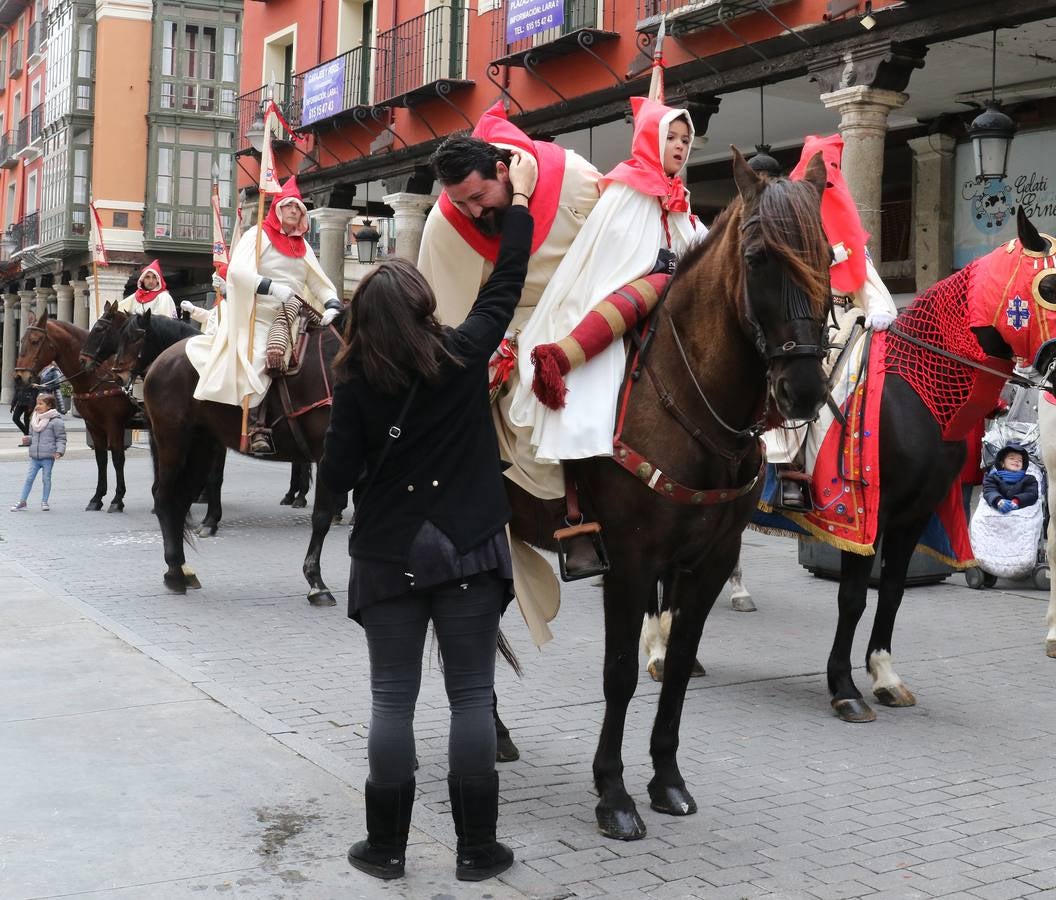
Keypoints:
(1042, 580)
(974, 577)
(989, 580)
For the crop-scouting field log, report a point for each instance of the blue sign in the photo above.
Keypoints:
(324, 91)
(527, 17)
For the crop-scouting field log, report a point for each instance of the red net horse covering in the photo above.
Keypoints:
(956, 394)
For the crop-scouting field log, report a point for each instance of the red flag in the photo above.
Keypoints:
(269, 179)
(96, 237)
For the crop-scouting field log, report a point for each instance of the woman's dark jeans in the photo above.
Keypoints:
(20, 415)
(466, 622)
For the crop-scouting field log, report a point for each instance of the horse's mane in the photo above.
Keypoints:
(168, 331)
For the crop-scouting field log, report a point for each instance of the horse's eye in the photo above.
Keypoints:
(755, 257)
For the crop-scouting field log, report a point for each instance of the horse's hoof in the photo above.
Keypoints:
(671, 799)
(698, 670)
(299, 503)
(206, 529)
(193, 582)
(1050, 648)
(115, 507)
(620, 824)
(854, 710)
(656, 670)
(505, 749)
(895, 695)
(94, 506)
(321, 597)
(337, 519)
(176, 583)
(742, 603)
(287, 500)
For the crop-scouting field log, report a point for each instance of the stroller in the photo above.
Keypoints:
(1012, 545)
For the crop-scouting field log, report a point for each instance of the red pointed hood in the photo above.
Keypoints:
(644, 171)
(291, 244)
(142, 295)
(839, 215)
(495, 128)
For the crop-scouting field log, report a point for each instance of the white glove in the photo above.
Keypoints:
(219, 285)
(328, 316)
(879, 321)
(281, 292)
(186, 306)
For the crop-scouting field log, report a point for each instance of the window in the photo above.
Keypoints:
(31, 193)
(10, 218)
(183, 180)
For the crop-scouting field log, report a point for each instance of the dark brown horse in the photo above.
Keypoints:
(102, 402)
(188, 434)
(737, 347)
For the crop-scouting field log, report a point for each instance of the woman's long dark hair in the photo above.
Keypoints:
(392, 335)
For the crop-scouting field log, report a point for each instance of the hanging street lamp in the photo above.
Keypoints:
(991, 132)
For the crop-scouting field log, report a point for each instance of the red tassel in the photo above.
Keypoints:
(551, 365)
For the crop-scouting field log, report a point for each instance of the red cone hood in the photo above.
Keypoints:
(289, 244)
(142, 295)
(839, 215)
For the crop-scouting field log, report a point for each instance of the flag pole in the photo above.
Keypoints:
(243, 442)
(95, 279)
(216, 206)
(656, 79)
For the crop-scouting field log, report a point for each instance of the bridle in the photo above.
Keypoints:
(137, 368)
(103, 332)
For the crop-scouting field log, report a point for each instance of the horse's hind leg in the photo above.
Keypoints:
(213, 486)
(96, 502)
(854, 584)
(322, 517)
(287, 498)
(740, 597)
(626, 593)
(304, 484)
(505, 749)
(688, 605)
(897, 550)
(171, 506)
(117, 453)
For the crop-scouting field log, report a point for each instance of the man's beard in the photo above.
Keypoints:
(490, 222)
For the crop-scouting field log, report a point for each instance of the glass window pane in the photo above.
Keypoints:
(196, 137)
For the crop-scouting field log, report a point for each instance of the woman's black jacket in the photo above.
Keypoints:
(445, 465)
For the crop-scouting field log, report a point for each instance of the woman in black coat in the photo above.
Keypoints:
(411, 432)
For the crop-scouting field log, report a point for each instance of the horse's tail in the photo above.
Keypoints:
(197, 468)
(507, 654)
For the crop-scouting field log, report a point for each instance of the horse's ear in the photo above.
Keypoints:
(815, 173)
(1028, 234)
(108, 306)
(748, 182)
(43, 320)
(146, 317)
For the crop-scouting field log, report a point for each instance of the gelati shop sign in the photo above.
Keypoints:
(324, 91)
(527, 17)
(985, 214)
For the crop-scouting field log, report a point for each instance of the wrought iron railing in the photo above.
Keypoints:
(36, 121)
(16, 59)
(250, 109)
(22, 134)
(334, 86)
(690, 15)
(35, 38)
(420, 51)
(577, 14)
(30, 231)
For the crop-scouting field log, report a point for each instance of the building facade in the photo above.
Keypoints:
(374, 87)
(131, 103)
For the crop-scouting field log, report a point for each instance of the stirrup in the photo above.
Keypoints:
(581, 551)
(791, 481)
(260, 443)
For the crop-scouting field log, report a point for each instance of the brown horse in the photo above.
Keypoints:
(736, 346)
(100, 400)
(188, 435)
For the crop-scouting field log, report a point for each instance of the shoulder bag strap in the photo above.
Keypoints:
(394, 432)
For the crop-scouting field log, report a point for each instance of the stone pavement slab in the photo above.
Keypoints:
(951, 798)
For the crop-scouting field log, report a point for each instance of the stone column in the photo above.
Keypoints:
(29, 310)
(80, 303)
(932, 211)
(409, 221)
(7, 367)
(112, 281)
(44, 296)
(333, 224)
(863, 126)
(64, 292)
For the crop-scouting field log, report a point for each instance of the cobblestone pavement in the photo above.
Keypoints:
(954, 797)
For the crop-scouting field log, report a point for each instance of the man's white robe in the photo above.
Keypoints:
(161, 305)
(227, 369)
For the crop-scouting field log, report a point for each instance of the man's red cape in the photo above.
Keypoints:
(495, 128)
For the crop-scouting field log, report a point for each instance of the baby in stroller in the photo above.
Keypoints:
(1008, 486)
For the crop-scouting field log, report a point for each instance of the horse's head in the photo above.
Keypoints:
(35, 352)
(102, 339)
(130, 341)
(785, 261)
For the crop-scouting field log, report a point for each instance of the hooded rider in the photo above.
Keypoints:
(150, 295)
(287, 273)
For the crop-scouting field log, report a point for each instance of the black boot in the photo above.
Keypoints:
(259, 434)
(383, 853)
(475, 809)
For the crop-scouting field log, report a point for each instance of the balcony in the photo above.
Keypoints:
(422, 58)
(584, 24)
(9, 150)
(30, 231)
(334, 88)
(16, 60)
(250, 110)
(29, 131)
(695, 15)
(38, 34)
